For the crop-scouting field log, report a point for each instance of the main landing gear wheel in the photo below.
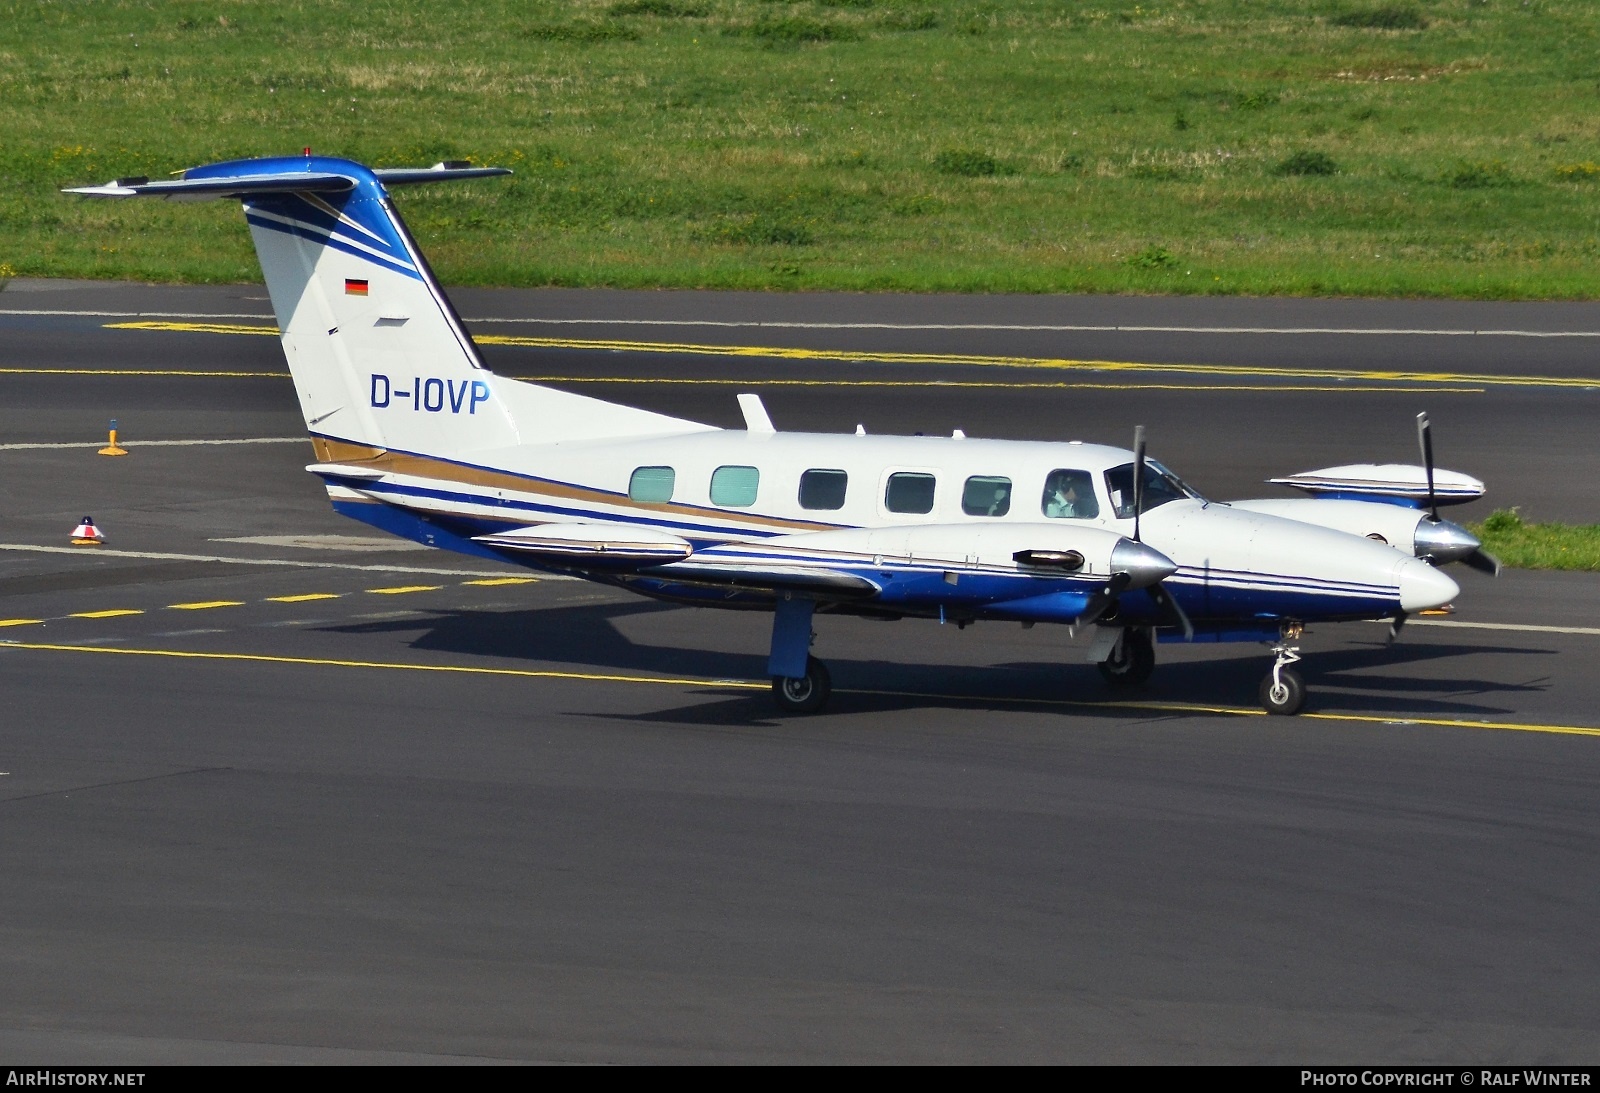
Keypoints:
(806, 694)
(1131, 661)
(1283, 691)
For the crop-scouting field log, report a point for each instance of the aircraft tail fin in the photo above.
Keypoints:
(380, 359)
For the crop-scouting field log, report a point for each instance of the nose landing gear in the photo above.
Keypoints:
(1283, 691)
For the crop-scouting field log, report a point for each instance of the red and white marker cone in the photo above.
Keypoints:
(86, 534)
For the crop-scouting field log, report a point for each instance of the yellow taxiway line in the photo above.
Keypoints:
(760, 685)
(457, 669)
(1045, 385)
(772, 352)
(138, 372)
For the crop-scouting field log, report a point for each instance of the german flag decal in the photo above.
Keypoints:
(353, 287)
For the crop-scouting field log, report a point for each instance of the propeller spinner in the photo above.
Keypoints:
(1441, 541)
(1135, 565)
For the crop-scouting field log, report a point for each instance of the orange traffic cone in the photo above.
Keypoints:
(112, 448)
(86, 534)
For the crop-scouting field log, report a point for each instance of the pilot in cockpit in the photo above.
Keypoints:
(1069, 495)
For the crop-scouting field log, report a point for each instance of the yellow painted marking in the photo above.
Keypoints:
(990, 385)
(777, 352)
(1451, 723)
(1058, 363)
(494, 582)
(105, 614)
(134, 372)
(304, 597)
(459, 669)
(21, 622)
(197, 328)
(400, 589)
(1239, 711)
(762, 685)
(1059, 385)
(204, 604)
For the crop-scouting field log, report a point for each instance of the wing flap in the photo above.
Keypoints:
(611, 544)
(770, 576)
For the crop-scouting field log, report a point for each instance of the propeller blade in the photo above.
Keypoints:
(1394, 627)
(1105, 599)
(1483, 562)
(1168, 604)
(1425, 442)
(1138, 478)
(1098, 604)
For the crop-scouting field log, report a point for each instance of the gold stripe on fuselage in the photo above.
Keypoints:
(434, 469)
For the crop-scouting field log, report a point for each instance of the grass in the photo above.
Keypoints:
(1540, 546)
(1194, 146)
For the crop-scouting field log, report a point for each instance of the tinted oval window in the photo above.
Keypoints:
(652, 484)
(985, 496)
(909, 491)
(734, 487)
(823, 489)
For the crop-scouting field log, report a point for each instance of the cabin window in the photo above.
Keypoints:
(909, 491)
(1069, 495)
(986, 496)
(823, 489)
(734, 487)
(652, 485)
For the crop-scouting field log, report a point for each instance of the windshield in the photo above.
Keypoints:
(1160, 486)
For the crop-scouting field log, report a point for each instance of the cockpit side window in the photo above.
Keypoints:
(1160, 486)
(1069, 495)
(985, 495)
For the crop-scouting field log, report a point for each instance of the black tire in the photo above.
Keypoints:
(807, 694)
(1131, 663)
(1288, 697)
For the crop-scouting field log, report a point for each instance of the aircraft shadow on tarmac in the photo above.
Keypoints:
(1369, 677)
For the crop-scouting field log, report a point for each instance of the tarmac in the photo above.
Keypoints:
(277, 789)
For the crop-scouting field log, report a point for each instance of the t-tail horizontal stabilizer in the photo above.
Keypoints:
(380, 359)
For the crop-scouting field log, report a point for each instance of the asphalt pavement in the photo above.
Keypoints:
(279, 789)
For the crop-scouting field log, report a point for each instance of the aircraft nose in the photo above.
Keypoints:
(1144, 565)
(1423, 587)
(1443, 541)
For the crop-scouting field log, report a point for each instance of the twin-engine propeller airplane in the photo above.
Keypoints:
(416, 436)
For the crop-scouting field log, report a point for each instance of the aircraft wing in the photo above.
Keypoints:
(660, 554)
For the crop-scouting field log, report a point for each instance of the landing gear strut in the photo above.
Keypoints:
(1132, 659)
(800, 682)
(1283, 691)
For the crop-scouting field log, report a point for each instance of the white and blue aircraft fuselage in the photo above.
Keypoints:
(414, 435)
